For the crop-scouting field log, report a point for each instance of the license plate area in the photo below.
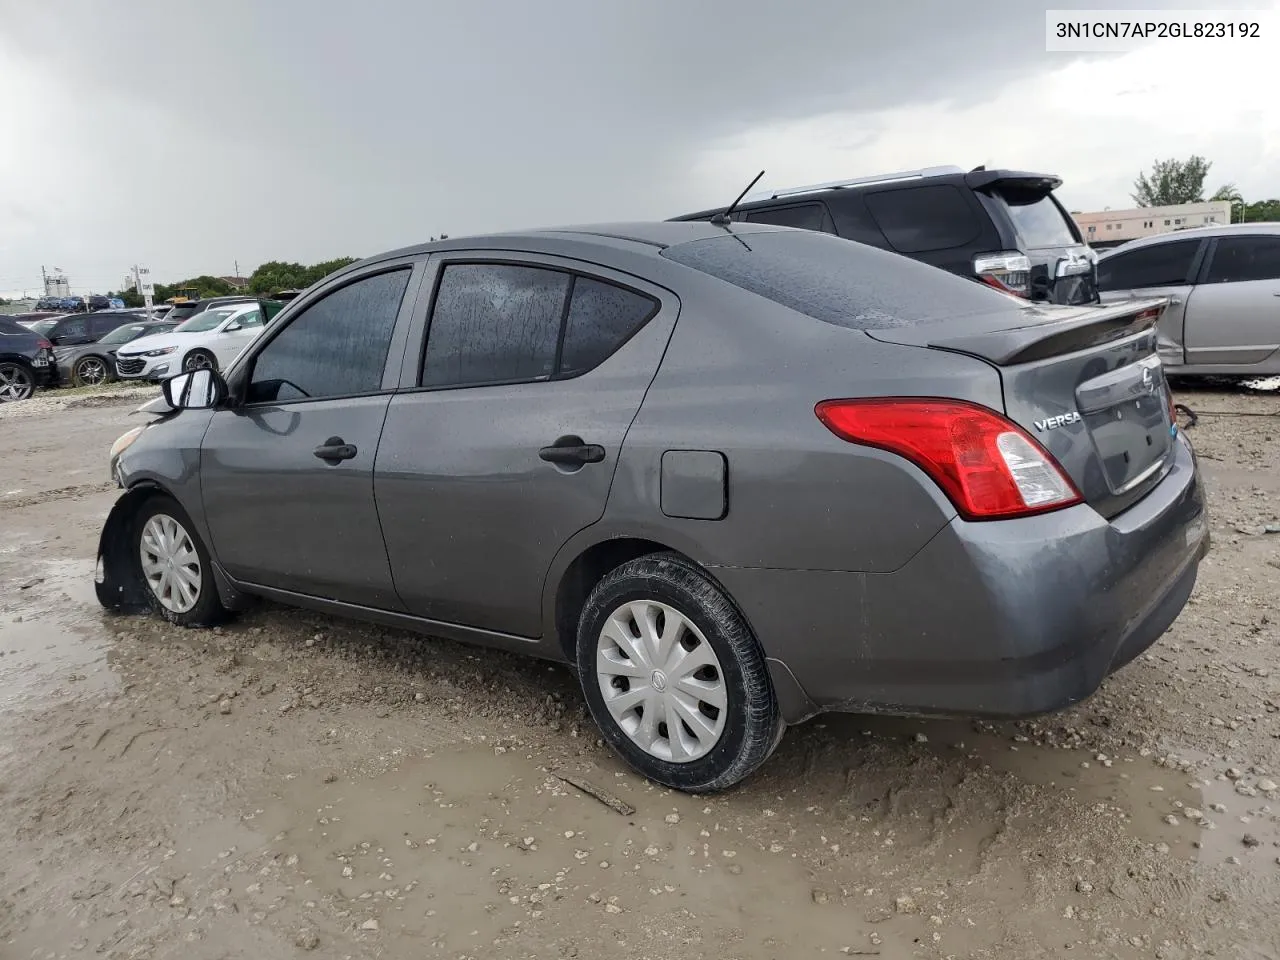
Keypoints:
(1126, 413)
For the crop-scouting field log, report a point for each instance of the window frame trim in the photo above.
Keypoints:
(241, 371)
(412, 376)
(1202, 275)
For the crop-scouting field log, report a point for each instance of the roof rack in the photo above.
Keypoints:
(904, 175)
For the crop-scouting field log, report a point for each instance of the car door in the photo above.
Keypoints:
(1165, 269)
(505, 446)
(238, 333)
(287, 471)
(1235, 318)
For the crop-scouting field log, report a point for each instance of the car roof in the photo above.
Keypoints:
(1197, 233)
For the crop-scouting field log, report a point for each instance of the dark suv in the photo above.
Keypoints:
(1001, 227)
(26, 361)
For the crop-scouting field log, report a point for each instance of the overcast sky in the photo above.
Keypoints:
(190, 135)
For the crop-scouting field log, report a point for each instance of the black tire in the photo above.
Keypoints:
(80, 371)
(198, 360)
(753, 723)
(17, 381)
(208, 610)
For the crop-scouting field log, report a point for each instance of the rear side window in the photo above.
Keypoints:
(1160, 265)
(805, 216)
(11, 328)
(839, 281)
(921, 219)
(1242, 259)
(601, 318)
(507, 323)
(336, 347)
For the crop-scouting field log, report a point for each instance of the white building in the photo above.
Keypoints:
(1106, 228)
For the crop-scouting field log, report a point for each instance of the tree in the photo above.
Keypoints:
(1261, 211)
(1172, 182)
(275, 275)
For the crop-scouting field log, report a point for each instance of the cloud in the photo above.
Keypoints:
(189, 136)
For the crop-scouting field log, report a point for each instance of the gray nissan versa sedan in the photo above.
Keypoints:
(736, 475)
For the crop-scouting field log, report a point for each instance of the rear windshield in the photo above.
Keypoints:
(1038, 219)
(839, 281)
(11, 328)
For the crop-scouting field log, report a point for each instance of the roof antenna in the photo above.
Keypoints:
(722, 219)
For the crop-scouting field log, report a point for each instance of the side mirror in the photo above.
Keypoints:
(197, 390)
(233, 327)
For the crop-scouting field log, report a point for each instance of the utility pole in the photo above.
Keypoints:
(44, 278)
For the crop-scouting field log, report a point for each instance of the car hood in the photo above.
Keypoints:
(158, 341)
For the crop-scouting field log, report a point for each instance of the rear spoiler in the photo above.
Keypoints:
(1077, 329)
(982, 179)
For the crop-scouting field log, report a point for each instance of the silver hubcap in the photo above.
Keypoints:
(92, 371)
(15, 383)
(199, 361)
(661, 681)
(170, 563)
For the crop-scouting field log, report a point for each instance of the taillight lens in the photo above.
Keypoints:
(988, 466)
(1008, 272)
(43, 344)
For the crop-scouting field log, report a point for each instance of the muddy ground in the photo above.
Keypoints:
(295, 785)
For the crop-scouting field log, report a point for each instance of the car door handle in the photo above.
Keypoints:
(572, 452)
(335, 450)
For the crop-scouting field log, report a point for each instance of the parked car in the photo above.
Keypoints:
(53, 304)
(1002, 227)
(30, 319)
(188, 309)
(211, 339)
(737, 477)
(89, 364)
(1222, 283)
(26, 361)
(80, 328)
(45, 324)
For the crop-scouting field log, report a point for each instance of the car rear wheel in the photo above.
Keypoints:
(174, 565)
(199, 360)
(17, 381)
(674, 677)
(90, 372)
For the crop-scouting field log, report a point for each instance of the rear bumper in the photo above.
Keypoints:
(46, 376)
(1010, 618)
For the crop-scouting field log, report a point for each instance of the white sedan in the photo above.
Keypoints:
(210, 339)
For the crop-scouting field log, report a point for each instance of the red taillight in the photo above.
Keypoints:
(988, 466)
(44, 344)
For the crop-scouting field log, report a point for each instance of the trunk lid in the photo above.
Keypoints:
(1085, 382)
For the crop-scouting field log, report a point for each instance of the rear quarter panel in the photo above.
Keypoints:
(741, 376)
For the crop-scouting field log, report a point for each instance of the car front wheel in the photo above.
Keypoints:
(199, 360)
(90, 372)
(674, 677)
(17, 382)
(174, 565)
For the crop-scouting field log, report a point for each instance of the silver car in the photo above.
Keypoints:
(734, 475)
(1223, 285)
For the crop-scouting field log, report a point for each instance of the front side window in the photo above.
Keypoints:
(336, 347)
(72, 328)
(252, 318)
(1242, 259)
(1160, 265)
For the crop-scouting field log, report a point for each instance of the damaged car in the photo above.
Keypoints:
(734, 475)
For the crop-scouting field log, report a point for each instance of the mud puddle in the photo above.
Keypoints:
(56, 642)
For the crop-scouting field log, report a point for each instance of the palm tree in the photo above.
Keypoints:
(1231, 193)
